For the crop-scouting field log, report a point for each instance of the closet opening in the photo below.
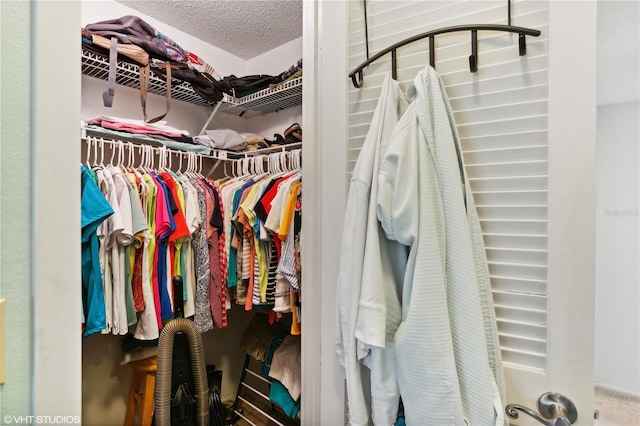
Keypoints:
(210, 190)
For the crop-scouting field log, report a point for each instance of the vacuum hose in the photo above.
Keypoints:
(163, 381)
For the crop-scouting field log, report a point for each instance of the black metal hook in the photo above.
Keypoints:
(522, 44)
(357, 84)
(473, 59)
(432, 52)
(394, 65)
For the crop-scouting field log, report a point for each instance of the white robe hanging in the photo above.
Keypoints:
(362, 302)
(448, 358)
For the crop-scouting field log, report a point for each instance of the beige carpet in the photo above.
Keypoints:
(616, 409)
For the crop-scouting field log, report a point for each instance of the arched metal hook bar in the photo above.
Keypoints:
(522, 31)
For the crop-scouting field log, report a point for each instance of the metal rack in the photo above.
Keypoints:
(252, 404)
(282, 96)
(96, 65)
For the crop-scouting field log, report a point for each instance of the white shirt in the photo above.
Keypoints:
(362, 306)
(123, 238)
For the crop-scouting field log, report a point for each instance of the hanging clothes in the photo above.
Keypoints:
(365, 275)
(160, 224)
(147, 326)
(146, 242)
(448, 358)
(94, 210)
(256, 233)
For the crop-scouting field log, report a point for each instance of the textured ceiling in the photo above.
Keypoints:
(245, 28)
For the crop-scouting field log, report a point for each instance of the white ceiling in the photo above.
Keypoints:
(244, 28)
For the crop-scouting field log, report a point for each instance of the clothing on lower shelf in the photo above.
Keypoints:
(230, 140)
(159, 131)
(279, 356)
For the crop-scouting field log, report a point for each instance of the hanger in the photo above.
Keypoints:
(200, 158)
(130, 157)
(163, 153)
(192, 164)
(357, 74)
(297, 155)
(88, 157)
(120, 157)
(101, 165)
(149, 160)
(187, 170)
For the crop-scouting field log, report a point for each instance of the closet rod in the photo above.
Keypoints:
(158, 150)
(162, 152)
(356, 74)
(238, 155)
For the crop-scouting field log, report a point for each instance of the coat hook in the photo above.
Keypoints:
(473, 59)
(394, 65)
(432, 52)
(357, 84)
(522, 44)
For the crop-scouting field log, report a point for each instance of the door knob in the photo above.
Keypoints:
(554, 410)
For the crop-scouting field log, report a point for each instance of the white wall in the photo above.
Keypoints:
(617, 290)
(617, 333)
(126, 103)
(276, 60)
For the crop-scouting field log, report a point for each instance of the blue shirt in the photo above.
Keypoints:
(94, 209)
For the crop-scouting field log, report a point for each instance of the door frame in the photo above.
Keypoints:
(55, 204)
(324, 112)
(572, 203)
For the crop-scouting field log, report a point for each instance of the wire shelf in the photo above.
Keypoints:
(96, 65)
(283, 96)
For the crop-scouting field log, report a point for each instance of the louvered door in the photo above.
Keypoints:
(507, 113)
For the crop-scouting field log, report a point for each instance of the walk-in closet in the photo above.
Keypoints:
(461, 252)
(246, 138)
